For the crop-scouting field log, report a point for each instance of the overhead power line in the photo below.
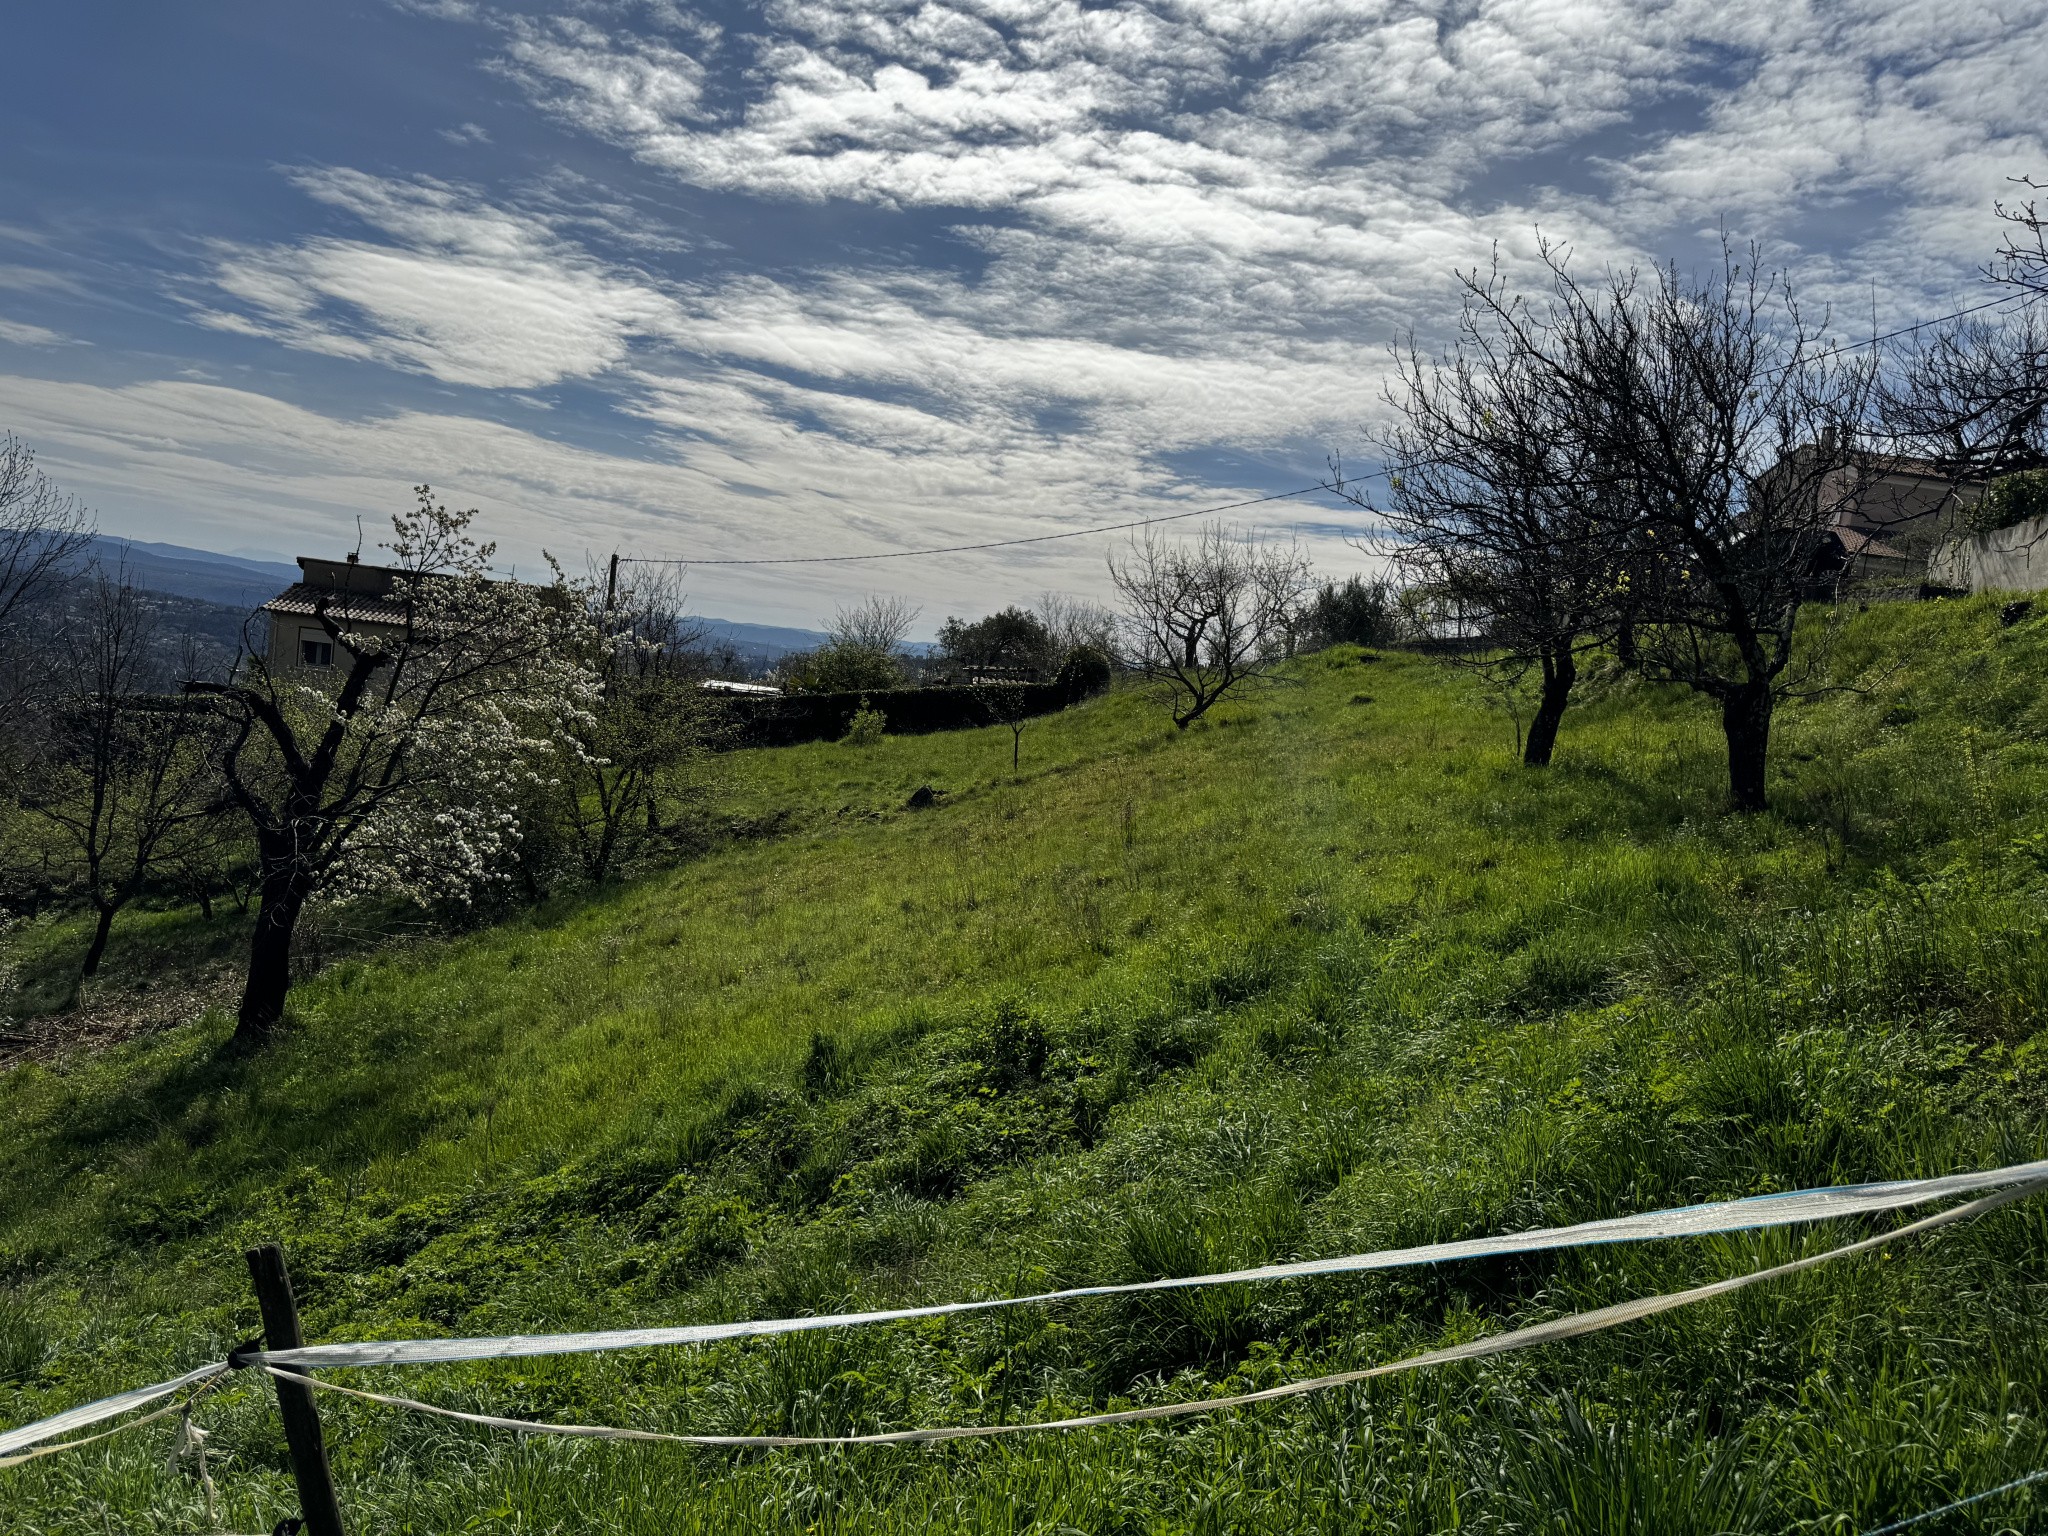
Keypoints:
(1921, 325)
(961, 549)
(1174, 517)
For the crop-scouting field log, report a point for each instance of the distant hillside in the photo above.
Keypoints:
(759, 645)
(763, 645)
(230, 581)
(227, 581)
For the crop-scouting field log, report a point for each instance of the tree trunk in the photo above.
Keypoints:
(1559, 673)
(270, 961)
(1746, 720)
(98, 947)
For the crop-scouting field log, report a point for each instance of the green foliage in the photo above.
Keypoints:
(841, 667)
(866, 728)
(1566, 1478)
(2012, 499)
(1085, 673)
(1356, 611)
(1305, 980)
(1014, 639)
(24, 1343)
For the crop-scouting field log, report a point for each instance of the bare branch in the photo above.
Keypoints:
(1206, 616)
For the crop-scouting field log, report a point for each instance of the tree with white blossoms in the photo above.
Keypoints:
(398, 770)
(638, 763)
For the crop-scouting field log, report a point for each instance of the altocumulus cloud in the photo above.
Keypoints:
(465, 292)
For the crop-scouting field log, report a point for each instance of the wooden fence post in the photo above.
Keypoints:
(317, 1503)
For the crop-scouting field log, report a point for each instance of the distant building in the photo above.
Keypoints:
(1889, 513)
(725, 685)
(357, 597)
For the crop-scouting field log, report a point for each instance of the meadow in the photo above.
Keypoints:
(1328, 972)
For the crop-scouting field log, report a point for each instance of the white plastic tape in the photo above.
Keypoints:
(1690, 1221)
(106, 1408)
(1576, 1325)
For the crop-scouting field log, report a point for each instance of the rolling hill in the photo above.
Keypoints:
(1329, 972)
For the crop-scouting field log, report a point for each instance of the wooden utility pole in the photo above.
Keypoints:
(611, 582)
(317, 1503)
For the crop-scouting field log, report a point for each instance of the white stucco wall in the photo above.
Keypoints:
(2011, 559)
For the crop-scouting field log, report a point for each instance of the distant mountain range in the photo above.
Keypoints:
(230, 581)
(226, 580)
(759, 645)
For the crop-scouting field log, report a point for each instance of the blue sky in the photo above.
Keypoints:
(814, 278)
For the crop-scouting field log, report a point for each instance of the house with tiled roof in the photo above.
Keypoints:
(355, 596)
(1889, 512)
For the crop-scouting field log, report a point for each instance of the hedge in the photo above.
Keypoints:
(783, 720)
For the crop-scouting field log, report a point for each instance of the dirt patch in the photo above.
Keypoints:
(113, 1012)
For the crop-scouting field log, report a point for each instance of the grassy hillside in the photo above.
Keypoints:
(1328, 972)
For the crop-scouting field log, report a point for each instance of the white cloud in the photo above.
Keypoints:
(1196, 226)
(233, 459)
(1321, 153)
(469, 293)
(22, 334)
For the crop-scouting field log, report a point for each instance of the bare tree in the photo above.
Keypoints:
(44, 533)
(875, 623)
(1727, 423)
(1075, 623)
(401, 771)
(1972, 396)
(1500, 505)
(1206, 616)
(637, 755)
(2022, 259)
(124, 765)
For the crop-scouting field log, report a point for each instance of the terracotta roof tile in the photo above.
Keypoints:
(342, 607)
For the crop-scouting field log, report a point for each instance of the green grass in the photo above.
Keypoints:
(1320, 974)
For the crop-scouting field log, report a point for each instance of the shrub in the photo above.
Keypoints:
(1353, 612)
(1015, 1047)
(1085, 673)
(784, 720)
(1013, 640)
(840, 668)
(2012, 499)
(866, 728)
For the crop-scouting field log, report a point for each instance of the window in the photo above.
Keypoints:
(316, 653)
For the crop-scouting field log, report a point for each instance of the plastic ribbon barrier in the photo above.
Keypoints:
(1690, 1221)
(99, 1412)
(1576, 1325)
(1726, 1216)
